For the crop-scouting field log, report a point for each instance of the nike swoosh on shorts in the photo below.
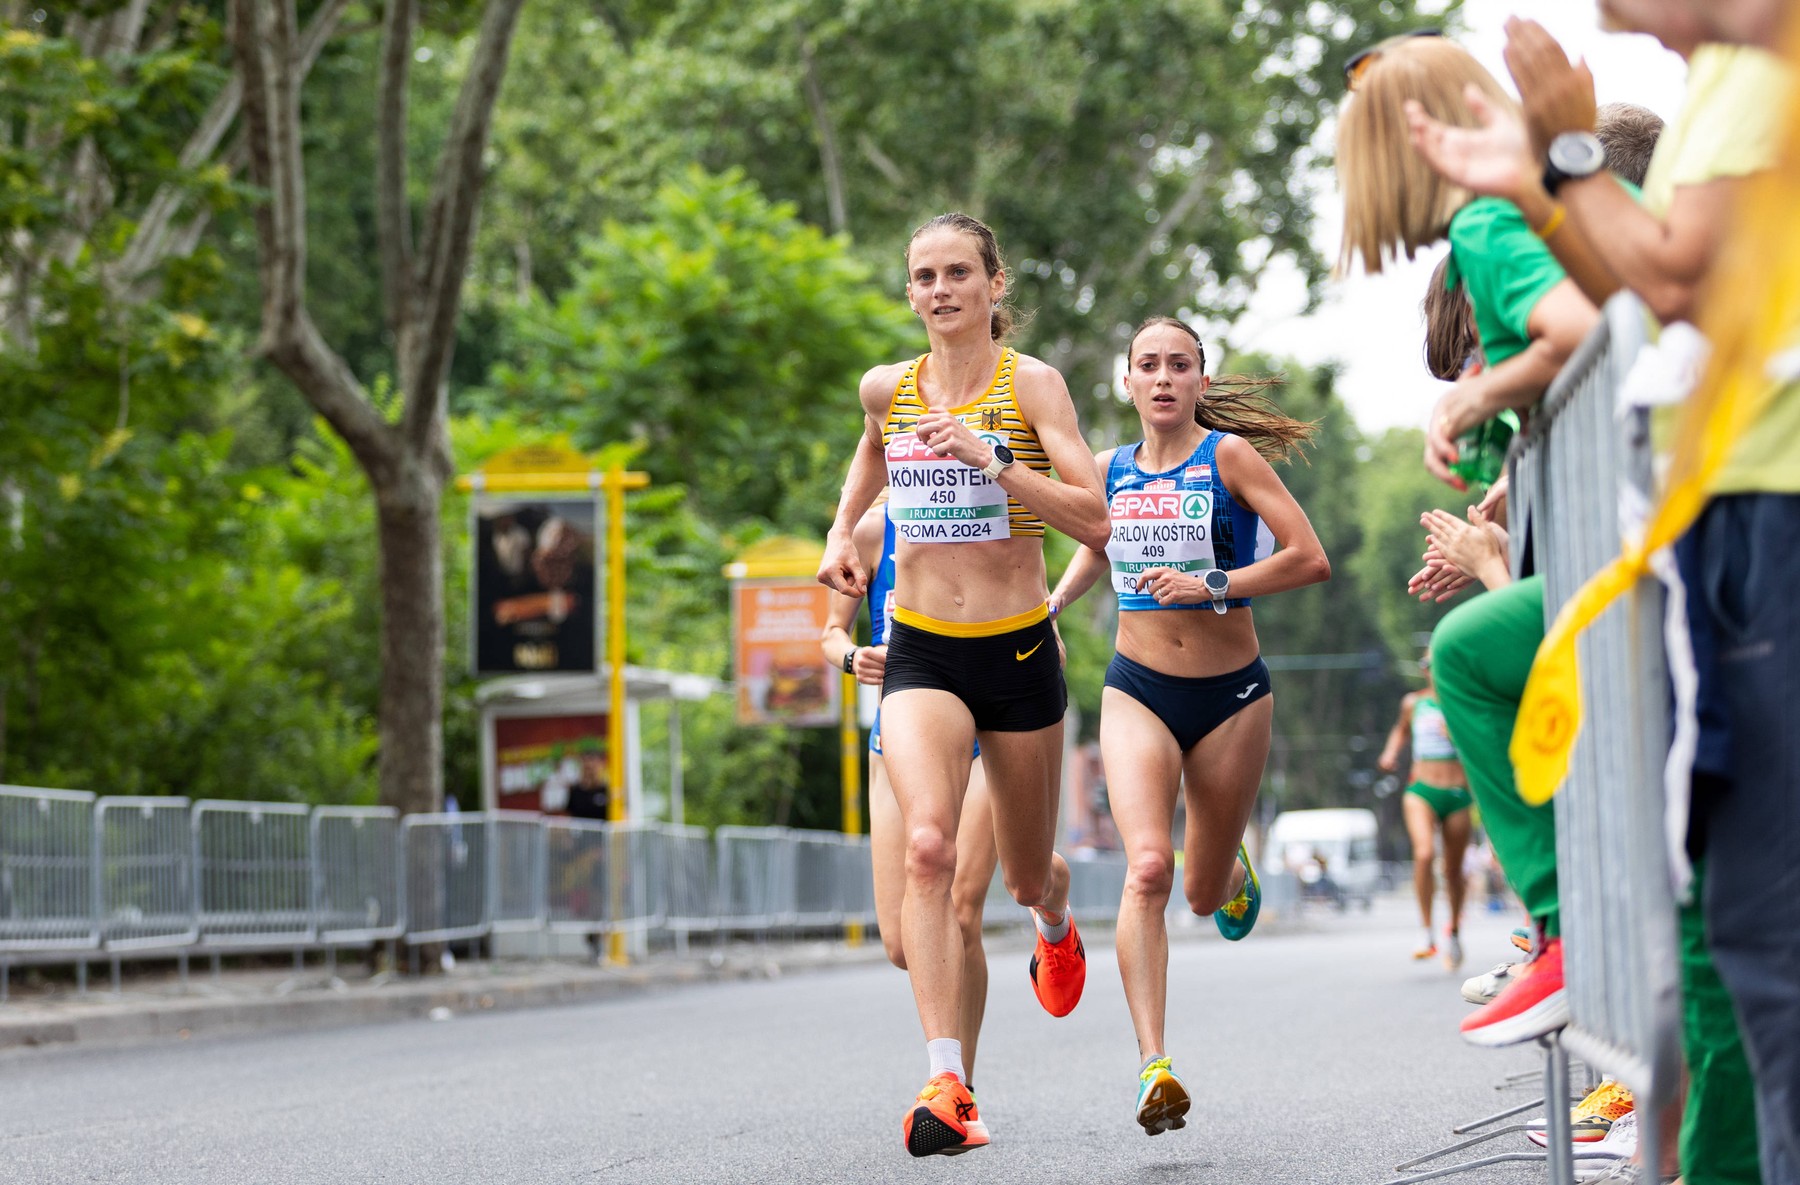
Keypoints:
(1245, 693)
(1027, 654)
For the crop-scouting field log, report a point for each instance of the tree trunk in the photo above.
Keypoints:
(412, 640)
(408, 462)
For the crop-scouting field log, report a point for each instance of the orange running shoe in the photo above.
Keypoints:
(943, 1120)
(1059, 972)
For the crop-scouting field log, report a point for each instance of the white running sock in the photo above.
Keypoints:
(946, 1057)
(1052, 934)
(1430, 939)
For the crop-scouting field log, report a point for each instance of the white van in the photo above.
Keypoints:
(1331, 851)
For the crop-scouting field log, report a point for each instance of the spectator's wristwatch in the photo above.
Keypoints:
(1573, 156)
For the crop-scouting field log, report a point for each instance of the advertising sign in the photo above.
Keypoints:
(782, 678)
(553, 764)
(534, 591)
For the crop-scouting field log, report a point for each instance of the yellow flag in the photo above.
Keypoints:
(1756, 303)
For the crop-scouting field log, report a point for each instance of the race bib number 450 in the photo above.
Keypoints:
(1159, 529)
(935, 499)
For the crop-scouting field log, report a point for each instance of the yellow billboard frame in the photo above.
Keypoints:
(557, 468)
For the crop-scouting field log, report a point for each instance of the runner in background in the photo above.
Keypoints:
(975, 855)
(1436, 799)
(968, 434)
(1196, 513)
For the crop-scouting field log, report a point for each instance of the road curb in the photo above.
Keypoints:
(101, 1020)
(244, 1002)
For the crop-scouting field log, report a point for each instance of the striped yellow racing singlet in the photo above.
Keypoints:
(996, 412)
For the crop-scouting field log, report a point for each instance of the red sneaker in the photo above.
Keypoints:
(1059, 972)
(943, 1120)
(1532, 1005)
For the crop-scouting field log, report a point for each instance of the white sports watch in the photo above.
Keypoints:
(1003, 457)
(1218, 583)
(1573, 156)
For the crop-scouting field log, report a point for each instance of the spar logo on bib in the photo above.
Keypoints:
(908, 447)
(1161, 504)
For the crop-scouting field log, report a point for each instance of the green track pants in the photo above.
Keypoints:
(1481, 653)
(1718, 1125)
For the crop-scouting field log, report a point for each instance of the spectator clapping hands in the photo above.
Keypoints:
(1458, 553)
(1558, 96)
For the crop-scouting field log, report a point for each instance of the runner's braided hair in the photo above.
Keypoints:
(1006, 319)
(1238, 404)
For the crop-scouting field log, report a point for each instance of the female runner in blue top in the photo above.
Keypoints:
(1196, 514)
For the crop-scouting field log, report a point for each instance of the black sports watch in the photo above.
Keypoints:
(850, 660)
(1003, 457)
(1573, 156)
(1218, 583)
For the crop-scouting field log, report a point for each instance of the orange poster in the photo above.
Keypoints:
(781, 676)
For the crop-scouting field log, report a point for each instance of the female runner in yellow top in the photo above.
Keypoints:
(1196, 513)
(975, 858)
(967, 435)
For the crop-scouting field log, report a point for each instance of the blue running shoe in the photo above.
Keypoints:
(1237, 917)
(1162, 1103)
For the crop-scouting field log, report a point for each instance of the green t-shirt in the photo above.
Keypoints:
(1506, 270)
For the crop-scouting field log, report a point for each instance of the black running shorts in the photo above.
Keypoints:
(1007, 672)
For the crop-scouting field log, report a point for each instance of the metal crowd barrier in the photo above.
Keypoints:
(84, 878)
(754, 880)
(356, 880)
(1097, 884)
(688, 855)
(857, 877)
(515, 841)
(46, 862)
(1582, 457)
(446, 887)
(144, 873)
(253, 874)
(817, 866)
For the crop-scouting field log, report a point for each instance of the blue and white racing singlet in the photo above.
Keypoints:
(1183, 519)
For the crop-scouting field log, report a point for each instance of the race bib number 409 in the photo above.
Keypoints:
(1159, 529)
(935, 499)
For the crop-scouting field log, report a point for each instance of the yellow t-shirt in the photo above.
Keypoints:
(1731, 126)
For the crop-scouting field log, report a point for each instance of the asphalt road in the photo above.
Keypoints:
(1324, 1055)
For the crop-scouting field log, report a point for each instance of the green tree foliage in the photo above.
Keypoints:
(151, 638)
(722, 335)
(162, 637)
(1135, 159)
